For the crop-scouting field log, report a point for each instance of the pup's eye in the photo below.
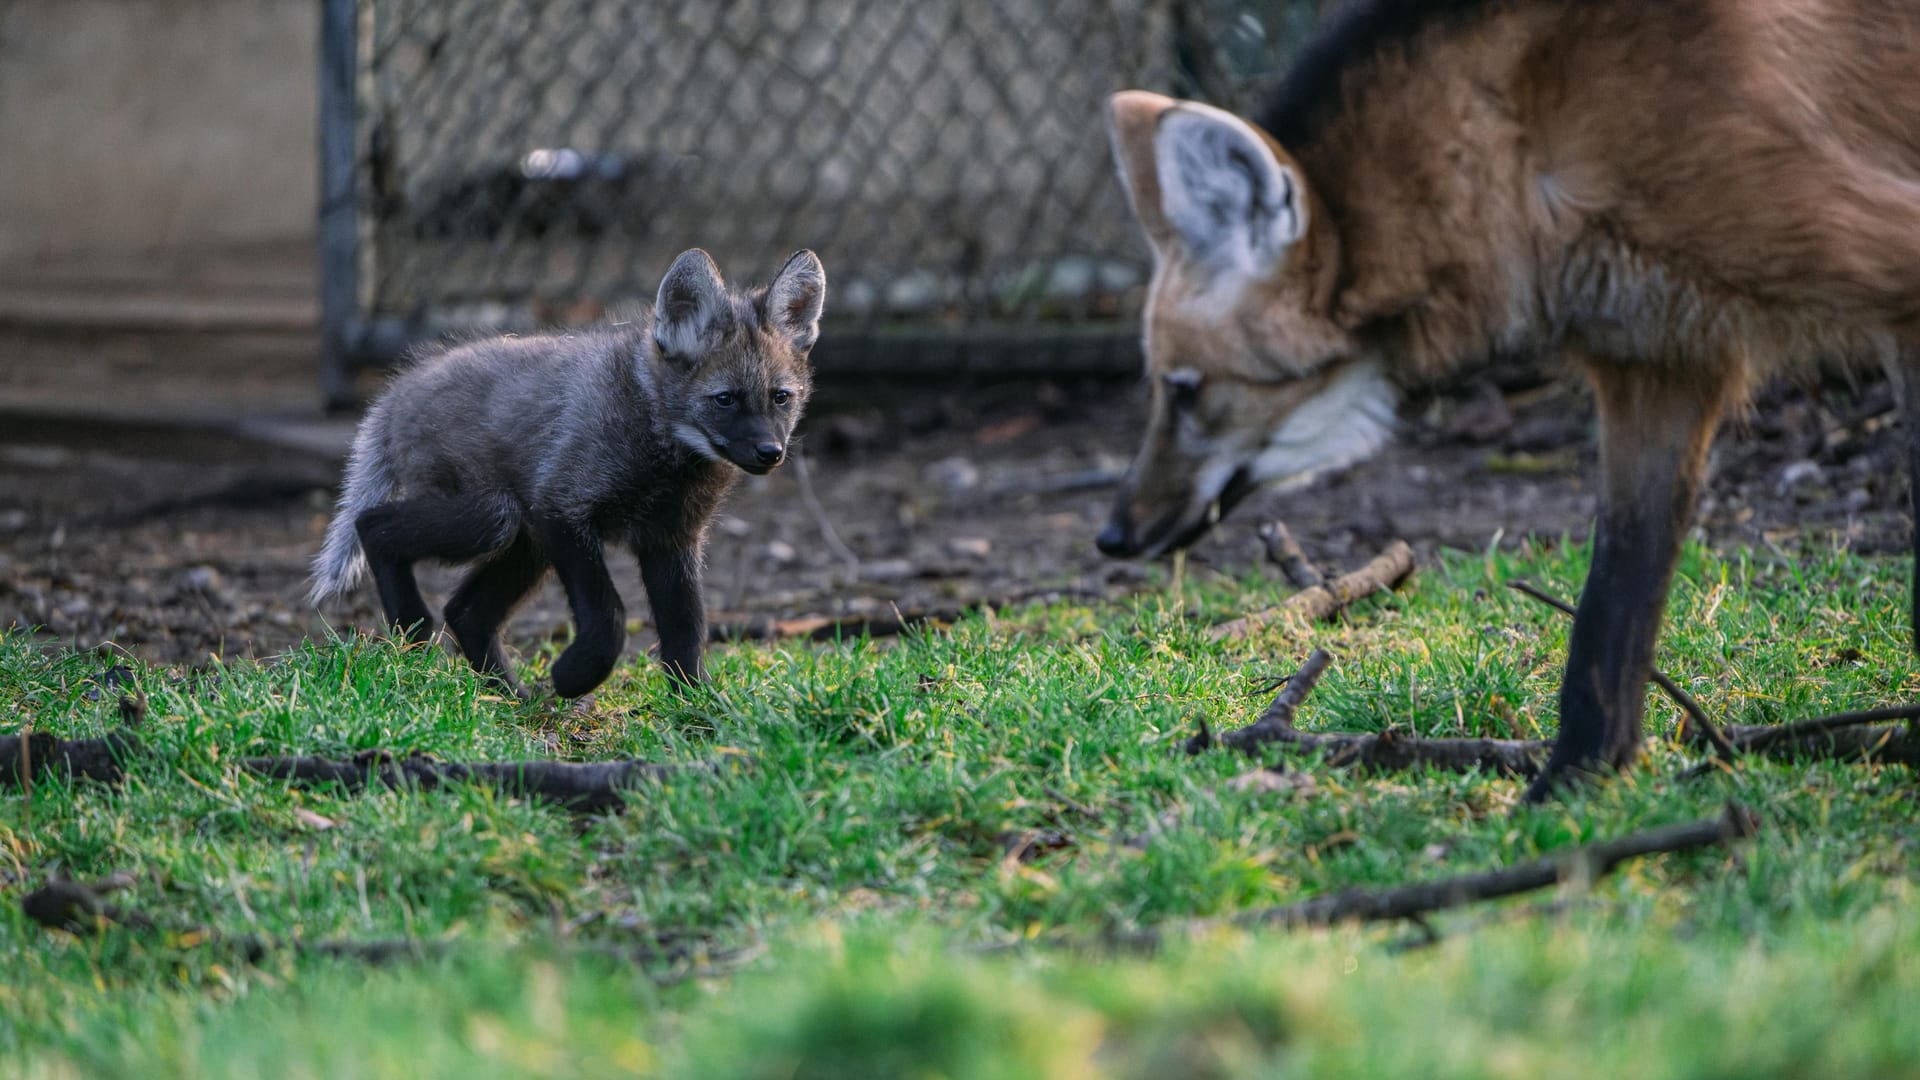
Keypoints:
(724, 399)
(781, 397)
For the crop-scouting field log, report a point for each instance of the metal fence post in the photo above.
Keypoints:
(339, 226)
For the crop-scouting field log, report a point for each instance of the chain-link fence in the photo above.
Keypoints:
(509, 163)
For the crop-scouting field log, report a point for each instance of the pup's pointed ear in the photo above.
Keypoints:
(691, 310)
(1225, 190)
(797, 297)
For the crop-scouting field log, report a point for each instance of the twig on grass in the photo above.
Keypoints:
(1385, 752)
(1585, 864)
(1696, 726)
(1386, 571)
(877, 625)
(1276, 724)
(25, 758)
(1284, 553)
(1841, 737)
(82, 909)
(588, 787)
(1580, 867)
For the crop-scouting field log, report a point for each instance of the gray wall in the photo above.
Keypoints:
(133, 127)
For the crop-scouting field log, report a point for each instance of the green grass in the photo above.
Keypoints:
(863, 846)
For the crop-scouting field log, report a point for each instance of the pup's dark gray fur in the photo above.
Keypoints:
(524, 454)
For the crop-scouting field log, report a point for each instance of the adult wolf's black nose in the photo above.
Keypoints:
(769, 453)
(1113, 540)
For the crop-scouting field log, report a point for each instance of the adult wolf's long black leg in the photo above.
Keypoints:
(679, 611)
(1906, 381)
(396, 535)
(484, 600)
(599, 618)
(1654, 432)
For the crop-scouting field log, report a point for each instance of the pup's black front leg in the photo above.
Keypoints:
(599, 618)
(679, 611)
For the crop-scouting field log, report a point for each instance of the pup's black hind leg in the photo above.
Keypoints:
(396, 535)
(484, 601)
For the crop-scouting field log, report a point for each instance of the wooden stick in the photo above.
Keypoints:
(1385, 752)
(1284, 553)
(1840, 737)
(1696, 726)
(82, 909)
(1386, 571)
(1583, 864)
(590, 787)
(1276, 724)
(24, 758)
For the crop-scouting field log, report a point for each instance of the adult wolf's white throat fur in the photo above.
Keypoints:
(1681, 198)
(524, 454)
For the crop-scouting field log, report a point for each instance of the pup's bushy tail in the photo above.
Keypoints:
(369, 482)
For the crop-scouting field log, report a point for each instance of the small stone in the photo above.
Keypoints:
(1797, 475)
(954, 475)
(969, 547)
(781, 552)
(888, 569)
(201, 579)
(732, 526)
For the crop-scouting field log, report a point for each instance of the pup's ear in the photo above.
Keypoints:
(692, 310)
(797, 297)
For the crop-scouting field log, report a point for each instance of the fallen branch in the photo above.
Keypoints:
(1053, 484)
(1387, 570)
(1276, 724)
(1696, 727)
(832, 628)
(875, 625)
(1853, 736)
(1385, 752)
(26, 758)
(590, 787)
(1284, 553)
(81, 909)
(1583, 865)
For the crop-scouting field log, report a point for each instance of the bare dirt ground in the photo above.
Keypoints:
(176, 540)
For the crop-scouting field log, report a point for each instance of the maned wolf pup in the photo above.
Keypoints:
(524, 453)
(1682, 197)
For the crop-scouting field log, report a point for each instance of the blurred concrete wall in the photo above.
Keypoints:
(132, 127)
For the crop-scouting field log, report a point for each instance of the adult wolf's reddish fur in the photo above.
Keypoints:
(1682, 197)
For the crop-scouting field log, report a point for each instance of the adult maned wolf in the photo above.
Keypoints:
(524, 454)
(1681, 197)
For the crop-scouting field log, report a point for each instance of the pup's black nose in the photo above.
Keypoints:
(769, 453)
(1113, 540)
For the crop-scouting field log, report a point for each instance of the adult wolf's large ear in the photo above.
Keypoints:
(1224, 190)
(797, 297)
(1132, 118)
(692, 310)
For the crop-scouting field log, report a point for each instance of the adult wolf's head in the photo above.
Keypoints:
(1254, 379)
(735, 365)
